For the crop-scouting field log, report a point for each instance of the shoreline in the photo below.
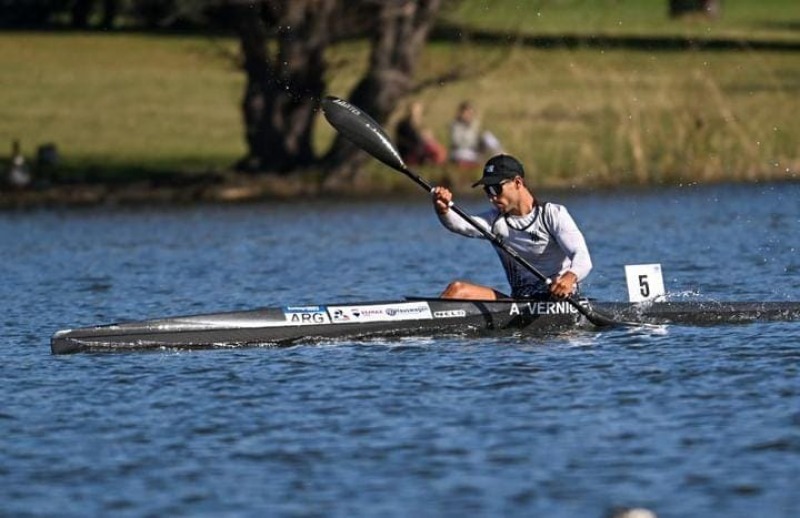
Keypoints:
(232, 189)
(241, 189)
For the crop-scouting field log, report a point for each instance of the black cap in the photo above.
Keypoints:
(499, 168)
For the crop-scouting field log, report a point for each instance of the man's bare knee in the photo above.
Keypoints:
(455, 290)
(468, 291)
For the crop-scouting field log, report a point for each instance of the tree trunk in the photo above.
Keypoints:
(81, 10)
(708, 8)
(398, 39)
(283, 44)
(282, 91)
(110, 12)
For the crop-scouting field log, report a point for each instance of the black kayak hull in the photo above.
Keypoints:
(411, 317)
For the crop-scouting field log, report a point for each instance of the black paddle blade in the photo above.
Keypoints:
(362, 130)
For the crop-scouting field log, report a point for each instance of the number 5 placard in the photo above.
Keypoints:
(645, 282)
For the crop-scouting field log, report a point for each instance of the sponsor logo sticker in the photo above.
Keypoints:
(306, 315)
(380, 312)
(450, 313)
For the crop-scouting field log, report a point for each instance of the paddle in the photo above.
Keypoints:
(364, 132)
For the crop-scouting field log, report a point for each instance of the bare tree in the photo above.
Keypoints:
(283, 43)
(82, 10)
(398, 38)
(283, 88)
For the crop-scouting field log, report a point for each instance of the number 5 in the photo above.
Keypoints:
(645, 282)
(644, 286)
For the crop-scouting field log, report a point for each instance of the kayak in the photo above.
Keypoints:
(413, 316)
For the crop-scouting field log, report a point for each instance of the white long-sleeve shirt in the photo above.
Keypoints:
(547, 238)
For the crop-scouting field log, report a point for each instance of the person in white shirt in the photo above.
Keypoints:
(469, 144)
(544, 234)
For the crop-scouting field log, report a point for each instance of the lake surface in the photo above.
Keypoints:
(683, 421)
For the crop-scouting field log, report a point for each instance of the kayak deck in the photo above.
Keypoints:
(410, 317)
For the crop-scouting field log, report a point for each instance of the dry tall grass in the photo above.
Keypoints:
(589, 117)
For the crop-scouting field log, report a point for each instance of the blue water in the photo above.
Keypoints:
(683, 421)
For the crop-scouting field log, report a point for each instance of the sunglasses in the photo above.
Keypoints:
(494, 190)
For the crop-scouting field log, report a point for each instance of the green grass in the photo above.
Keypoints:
(125, 105)
(764, 19)
(593, 116)
(122, 102)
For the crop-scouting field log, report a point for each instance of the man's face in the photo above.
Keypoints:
(503, 195)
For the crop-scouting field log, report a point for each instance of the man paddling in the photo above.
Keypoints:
(544, 234)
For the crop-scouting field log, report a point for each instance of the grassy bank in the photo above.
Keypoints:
(122, 103)
(127, 105)
(772, 20)
(592, 116)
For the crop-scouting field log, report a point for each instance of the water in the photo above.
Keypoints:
(684, 421)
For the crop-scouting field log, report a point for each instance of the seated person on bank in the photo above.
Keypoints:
(469, 144)
(415, 143)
